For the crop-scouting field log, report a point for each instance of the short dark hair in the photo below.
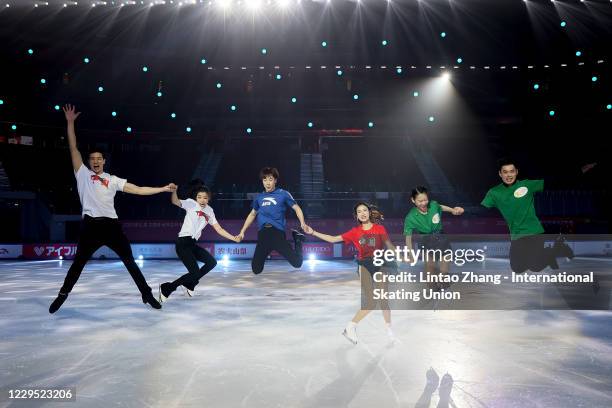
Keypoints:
(268, 171)
(506, 161)
(95, 150)
(197, 186)
(418, 190)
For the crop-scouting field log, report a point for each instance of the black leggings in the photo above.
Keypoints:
(190, 253)
(529, 253)
(95, 233)
(270, 239)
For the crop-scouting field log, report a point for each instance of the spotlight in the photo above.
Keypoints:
(312, 257)
(30, 51)
(370, 124)
(551, 113)
(384, 43)
(145, 69)
(249, 130)
(253, 4)
(140, 257)
(609, 106)
(43, 81)
(278, 76)
(323, 43)
(399, 70)
(61, 258)
(129, 129)
(309, 124)
(443, 34)
(339, 72)
(86, 60)
(594, 78)
(355, 97)
(203, 61)
(1, 102)
(536, 86)
(225, 258)
(159, 94)
(264, 51)
(188, 129)
(56, 107)
(233, 108)
(293, 100)
(113, 114)
(459, 60)
(446, 76)
(219, 85)
(415, 94)
(563, 24)
(173, 115)
(13, 127)
(578, 53)
(431, 119)
(100, 89)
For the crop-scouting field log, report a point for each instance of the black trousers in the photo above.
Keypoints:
(98, 232)
(270, 239)
(190, 253)
(529, 253)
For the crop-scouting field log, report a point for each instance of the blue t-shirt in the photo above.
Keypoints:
(271, 208)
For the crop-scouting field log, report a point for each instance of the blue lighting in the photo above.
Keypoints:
(129, 129)
(415, 94)
(233, 107)
(43, 81)
(188, 129)
(339, 72)
(145, 69)
(355, 97)
(14, 127)
(594, 78)
(431, 119)
(459, 60)
(173, 115)
(203, 61)
(56, 107)
(443, 34)
(399, 71)
(1, 102)
(100, 89)
(536, 86)
(384, 42)
(551, 113)
(609, 106)
(113, 114)
(578, 53)
(278, 76)
(310, 124)
(323, 43)
(563, 24)
(219, 85)
(293, 100)
(86, 60)
(30, 51)
(264, 51)
(249, 130)
(159, 94)
(371, 124)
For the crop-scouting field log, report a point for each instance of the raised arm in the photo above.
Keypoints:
(174, 198)
(134, 189)
(71, 115)
(454, 210)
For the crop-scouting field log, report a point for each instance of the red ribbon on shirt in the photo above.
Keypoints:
(102, 181)
(201, 214)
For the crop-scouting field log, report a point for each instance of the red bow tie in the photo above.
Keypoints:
(102, 181)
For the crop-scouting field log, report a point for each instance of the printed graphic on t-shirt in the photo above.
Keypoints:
(436, 218)
(368, 240)
(102, 180)
(520, 192)
(203, 214)
(268, 201)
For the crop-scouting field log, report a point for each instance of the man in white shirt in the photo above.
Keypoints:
(100, 224)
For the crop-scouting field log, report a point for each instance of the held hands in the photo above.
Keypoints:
(170, 188)
(70, 113)
(457, 211)
(308, 229)
(239, 237)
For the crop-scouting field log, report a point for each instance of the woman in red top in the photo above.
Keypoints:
(367, 237)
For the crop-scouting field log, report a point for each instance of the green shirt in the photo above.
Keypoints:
(424, 223)
(515, 203)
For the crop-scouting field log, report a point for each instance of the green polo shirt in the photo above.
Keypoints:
(424, 223)
(515, 203)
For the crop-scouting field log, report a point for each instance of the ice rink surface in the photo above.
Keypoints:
(273, 340)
